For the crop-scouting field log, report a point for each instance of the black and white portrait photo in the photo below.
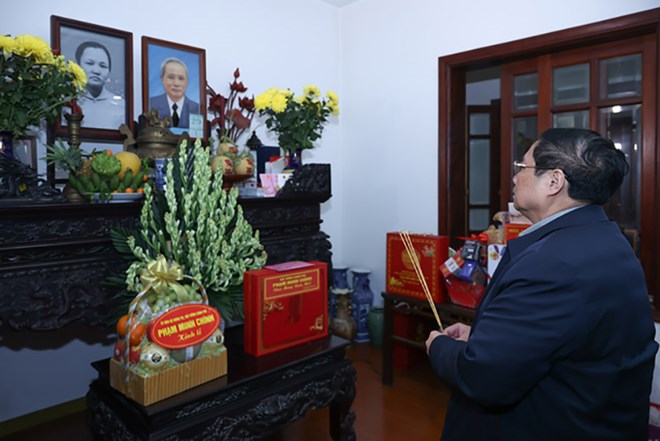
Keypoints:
(106, 57)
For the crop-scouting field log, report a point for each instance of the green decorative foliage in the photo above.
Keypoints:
(198, 224)
(35, 82)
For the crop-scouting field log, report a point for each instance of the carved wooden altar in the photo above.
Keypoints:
(259, 397)
(54, 257)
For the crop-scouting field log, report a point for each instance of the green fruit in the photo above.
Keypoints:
(89, 187)
(114, 182)
(137, 180)
(128, 179)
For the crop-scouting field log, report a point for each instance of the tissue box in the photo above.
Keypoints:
(402, 279)
(272, 182)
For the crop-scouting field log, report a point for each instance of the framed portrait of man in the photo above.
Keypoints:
(174, 84)
(106, 56)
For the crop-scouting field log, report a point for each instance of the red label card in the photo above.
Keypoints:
(184, 326)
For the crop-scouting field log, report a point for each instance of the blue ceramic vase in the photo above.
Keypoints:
(361, 300)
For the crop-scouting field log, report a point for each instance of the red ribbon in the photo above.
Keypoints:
(481, 237)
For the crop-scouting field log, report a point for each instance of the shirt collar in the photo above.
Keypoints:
(179, 104)
(547, 220)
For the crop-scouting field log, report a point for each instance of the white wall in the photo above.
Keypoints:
(288, 43)
(380, 56)
(390, 51)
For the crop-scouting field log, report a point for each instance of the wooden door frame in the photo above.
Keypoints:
(451, 131)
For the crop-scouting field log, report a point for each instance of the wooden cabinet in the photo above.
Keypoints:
(54, 257)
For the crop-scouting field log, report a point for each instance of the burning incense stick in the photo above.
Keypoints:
(405, 237)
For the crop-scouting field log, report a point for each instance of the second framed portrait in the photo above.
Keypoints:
(174, 84)
(106, 56)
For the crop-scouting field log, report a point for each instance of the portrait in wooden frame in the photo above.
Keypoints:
(106, 56)
(174, 83)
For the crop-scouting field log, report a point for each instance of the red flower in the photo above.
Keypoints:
(231, 121)
(246, 103)
(240, 121)
(238, 87)
(217, 103)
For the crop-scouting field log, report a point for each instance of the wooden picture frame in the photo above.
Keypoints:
(25, 150)
(174, 73)
(106, 55)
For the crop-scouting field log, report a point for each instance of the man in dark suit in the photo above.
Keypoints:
(174, 102)
(562, 346)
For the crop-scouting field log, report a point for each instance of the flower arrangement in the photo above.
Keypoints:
(36, 82)
(232, 120)
(298, 121)
(197, 224)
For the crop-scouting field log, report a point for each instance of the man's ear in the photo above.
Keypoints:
(556, 181)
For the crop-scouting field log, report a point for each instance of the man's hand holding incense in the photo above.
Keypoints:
(458, 331)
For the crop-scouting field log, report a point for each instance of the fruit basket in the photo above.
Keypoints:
(463, 293)
(101, 176)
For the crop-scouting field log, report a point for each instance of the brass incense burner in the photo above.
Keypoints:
(153, 140)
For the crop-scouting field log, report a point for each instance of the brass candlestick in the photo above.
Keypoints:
(73, 125)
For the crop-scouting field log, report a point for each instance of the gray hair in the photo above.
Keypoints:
(169, 60)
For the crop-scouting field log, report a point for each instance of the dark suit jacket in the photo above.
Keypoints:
(160, 103)
(562, 347)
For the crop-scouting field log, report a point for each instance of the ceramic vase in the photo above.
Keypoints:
(375, 324)
(294, 160)
(361, 300)
(343, 323)
(339, 285)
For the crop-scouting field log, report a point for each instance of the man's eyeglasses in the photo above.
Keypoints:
(518, 166)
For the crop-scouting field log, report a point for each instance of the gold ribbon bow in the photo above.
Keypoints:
(160, 276)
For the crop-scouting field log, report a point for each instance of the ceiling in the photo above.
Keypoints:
(340, 3)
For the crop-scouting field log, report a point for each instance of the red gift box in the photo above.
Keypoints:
(511, 231)
(432, 251)
(464, 293)
(285, 305)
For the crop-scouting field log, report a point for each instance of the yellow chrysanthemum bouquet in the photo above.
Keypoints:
(298, 121)
(34, 82)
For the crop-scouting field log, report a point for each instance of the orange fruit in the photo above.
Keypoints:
(121, 326)
(137, 334)
(140, 190)
(128, 190)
